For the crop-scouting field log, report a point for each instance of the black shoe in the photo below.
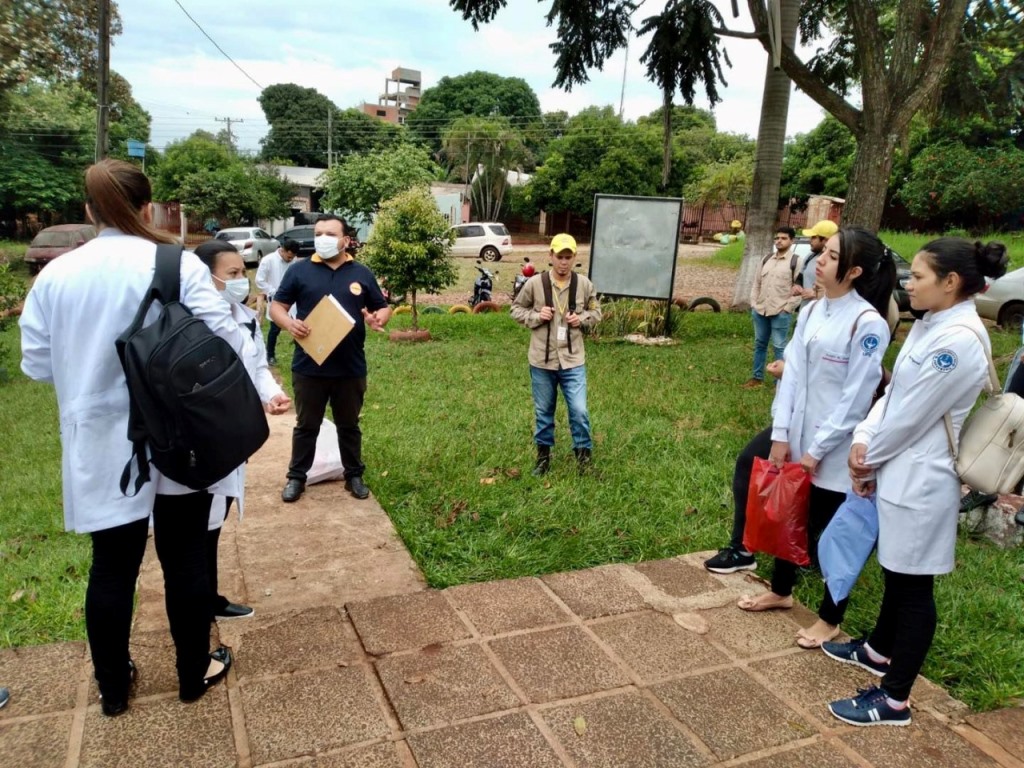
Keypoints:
(357, 487)
(234, 611)
(974, 499)
(730, 560)
(583, 459)
(113, 706)
(223, 655)
(1019, 517)
(293, 489)
(543, 461)
(271, 360)
(5, 696)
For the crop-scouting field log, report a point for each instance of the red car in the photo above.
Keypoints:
(54, 241)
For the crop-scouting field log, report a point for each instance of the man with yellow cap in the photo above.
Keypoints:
(557, 306)
(819, 234)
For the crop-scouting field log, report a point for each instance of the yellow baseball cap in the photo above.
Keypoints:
(823, 228)
(563, 242)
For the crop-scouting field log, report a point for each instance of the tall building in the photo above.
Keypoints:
(396, 102)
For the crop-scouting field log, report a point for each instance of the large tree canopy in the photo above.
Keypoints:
(50, 39)
(898, 51)
(482, 94)
(359, 184)
(298, 119)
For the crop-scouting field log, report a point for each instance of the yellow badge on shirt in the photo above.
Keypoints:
(356, 289)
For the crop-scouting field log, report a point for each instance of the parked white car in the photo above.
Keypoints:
(252, 242)
(1003, 300)
(486, 240)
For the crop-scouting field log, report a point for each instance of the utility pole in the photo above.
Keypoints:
(330, 132)
(229, 121)
(102, 80)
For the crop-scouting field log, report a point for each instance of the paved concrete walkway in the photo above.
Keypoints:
(350, 662)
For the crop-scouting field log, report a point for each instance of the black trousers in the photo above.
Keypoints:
(179, 532)
(823, 506)
(272, 334)
(758, 448)
(312, 394)
(905, 628)
(217, 601)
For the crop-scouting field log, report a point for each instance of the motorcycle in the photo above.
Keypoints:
(525, 274)
(482, 286)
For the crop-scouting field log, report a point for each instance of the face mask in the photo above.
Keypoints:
(235, 291)
(326, 246)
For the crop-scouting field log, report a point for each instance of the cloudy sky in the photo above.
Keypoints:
(346, 53)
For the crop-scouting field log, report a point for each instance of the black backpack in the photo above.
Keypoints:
(191, 399)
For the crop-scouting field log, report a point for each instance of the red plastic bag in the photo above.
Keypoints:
(777, 506)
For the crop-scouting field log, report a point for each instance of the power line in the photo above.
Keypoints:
(217, 46)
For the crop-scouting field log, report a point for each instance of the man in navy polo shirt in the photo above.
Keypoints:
(341, 380)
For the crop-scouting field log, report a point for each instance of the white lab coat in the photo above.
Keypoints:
(832, 371)
(254, 357)
(269, 275)
(940, 368)
(76, 309)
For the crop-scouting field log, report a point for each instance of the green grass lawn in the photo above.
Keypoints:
(448, 447)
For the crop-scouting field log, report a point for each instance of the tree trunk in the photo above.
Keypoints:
(666, 138)
(415, 315)
(872, 165)
(771, 140)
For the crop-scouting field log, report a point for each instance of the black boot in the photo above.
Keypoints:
(543, 460)
(582, 459)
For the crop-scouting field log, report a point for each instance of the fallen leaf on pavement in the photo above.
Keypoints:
(693, 622)
(580, 724)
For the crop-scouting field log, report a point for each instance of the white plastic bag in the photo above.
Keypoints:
(327, 460)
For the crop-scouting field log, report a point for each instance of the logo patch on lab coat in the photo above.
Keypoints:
(870, 343)
(356, 289)
(944, 361)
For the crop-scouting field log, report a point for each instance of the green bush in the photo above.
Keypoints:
(12, 293)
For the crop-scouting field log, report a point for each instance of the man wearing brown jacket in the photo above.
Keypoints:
(557, 306)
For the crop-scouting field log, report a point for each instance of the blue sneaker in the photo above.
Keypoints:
(855, 653)
(869, 707)
(5, 696)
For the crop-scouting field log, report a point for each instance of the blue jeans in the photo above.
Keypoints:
(573, 382)
(777, 327)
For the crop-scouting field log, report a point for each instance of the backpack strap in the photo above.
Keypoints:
(993, 386)
(167, 276)
(545, 281)
(573, 283)
(165, 287)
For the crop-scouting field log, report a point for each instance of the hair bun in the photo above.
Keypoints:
(991, 258)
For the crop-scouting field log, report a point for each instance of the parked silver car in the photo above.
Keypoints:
(252, 242)
(1003, 300)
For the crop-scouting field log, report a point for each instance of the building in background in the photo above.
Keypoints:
(400, 97)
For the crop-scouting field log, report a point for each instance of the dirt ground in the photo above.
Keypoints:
(694, 276)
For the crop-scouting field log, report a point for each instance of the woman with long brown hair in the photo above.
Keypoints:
(78, 306)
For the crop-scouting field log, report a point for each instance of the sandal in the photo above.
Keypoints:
(810, 643)
(755, 604)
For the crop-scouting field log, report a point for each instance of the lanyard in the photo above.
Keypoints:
(560, 306)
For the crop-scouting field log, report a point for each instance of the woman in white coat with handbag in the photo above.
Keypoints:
(833, 368)
(902, 453)
(76, 309)
(227, 271)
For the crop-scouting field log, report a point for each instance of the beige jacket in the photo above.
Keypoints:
(773, 286)
(526, 311)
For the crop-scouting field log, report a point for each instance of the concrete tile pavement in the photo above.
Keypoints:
(619, 666)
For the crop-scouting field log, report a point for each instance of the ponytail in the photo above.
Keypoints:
(860, 248)
(117, 192)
